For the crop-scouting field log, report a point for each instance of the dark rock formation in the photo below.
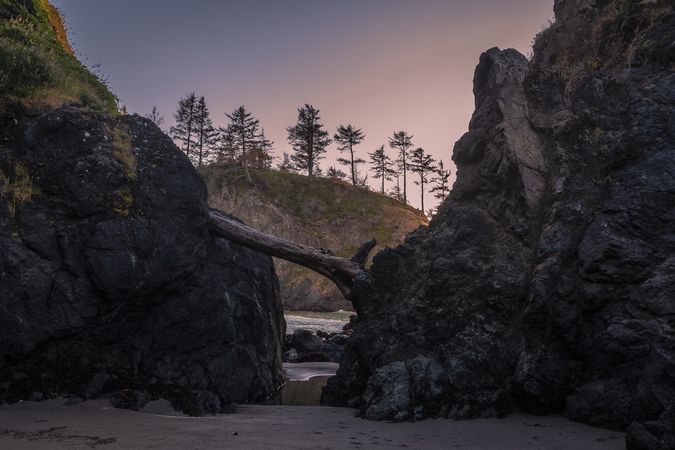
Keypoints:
(110, 282)
(305, 346)
(305, 341)
(545, 283)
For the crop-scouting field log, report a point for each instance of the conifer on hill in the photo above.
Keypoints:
(423, 165)
(286, 165)
(441, 187)
(205, 133)
(183, 130)
(335, 173)
(244, 130)
(348, 137)
(308, 139)
(263, 152)
(382, 166)
(155, 116)
(225, 150)
(402, 142)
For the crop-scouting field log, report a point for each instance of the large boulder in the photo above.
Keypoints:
(545, 281)
(110, 281)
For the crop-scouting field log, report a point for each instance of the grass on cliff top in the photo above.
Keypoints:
(17, 190)
(324, 201)
(37, 65)
(603, 35)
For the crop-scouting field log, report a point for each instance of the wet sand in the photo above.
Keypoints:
(94, 424)
(305, 383)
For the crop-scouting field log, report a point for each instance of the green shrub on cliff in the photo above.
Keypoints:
(37, 66)
(18, 189)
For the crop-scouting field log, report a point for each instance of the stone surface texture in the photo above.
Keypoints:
(110, 283)
(545, 283)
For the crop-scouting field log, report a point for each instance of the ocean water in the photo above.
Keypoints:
(305, 383)
(331, 322)
(307, 380)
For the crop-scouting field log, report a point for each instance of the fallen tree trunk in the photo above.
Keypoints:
(341, 271)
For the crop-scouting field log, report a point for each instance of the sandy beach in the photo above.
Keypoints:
(94, 424)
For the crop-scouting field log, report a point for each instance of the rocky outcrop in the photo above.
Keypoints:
(306, 346)
(544, 283)
(329, 215)
(110, 283)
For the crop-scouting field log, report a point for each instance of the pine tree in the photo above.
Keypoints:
(225, 149)
(362, 182)
(205, 134)
(244, 129)
(156, 118)
(286, 165)
(402, 141)
(263, 152)
(396, 190)
(441, 187)
(183, 130)
(382, 165)
(347, 137)
(422, 164)
(308, 139)
(336, 173)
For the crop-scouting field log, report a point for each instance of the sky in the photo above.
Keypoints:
(381, 65)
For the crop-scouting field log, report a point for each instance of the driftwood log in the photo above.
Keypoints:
(341, 271)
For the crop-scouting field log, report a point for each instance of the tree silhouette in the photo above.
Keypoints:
(308, 139)
(402, 141)
(382, 166)
(205, 134)
(183, 130)
(422, 164)
(286, 165)
(156, 118)
(347, 137)
(441, 187)
(225, 149)
(335, 173)
(396, 190)
(362, 182)
(263, 152)
(244, 129)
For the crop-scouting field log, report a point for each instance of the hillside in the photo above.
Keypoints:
(39, 71)
(329, 214)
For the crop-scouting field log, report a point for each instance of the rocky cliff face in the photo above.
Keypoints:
(329, 214)
(545, 283)
(111, 285)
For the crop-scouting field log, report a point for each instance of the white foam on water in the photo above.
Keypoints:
(313, 323)
(305, 371)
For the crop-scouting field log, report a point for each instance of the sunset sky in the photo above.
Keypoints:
(381, 65)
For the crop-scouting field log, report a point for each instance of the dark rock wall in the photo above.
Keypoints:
(110, 282)
(545, 282)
